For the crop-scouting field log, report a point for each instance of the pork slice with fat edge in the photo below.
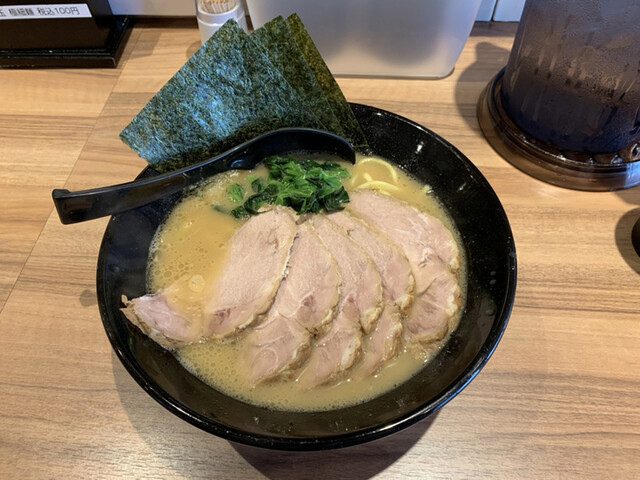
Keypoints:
(247, 286)
(384, 342)
(432, 252)
(359, 307)
(305, 302)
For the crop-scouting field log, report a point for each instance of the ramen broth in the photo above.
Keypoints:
(191, 247)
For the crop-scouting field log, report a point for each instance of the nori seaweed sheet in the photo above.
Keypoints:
(226, 93)
(341, 108)
(276, 38)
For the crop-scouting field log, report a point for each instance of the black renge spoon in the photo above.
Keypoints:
(74, 207)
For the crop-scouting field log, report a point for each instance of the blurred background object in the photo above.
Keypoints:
(497, 10)
(566, 108)
(60, 34)
(407, 38)
(211, 15)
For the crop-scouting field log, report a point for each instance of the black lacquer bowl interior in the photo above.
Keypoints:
(491, 257)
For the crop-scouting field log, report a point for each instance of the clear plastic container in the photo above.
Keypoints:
(405, 38)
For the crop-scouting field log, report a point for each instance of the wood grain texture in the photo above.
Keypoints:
(558, 399)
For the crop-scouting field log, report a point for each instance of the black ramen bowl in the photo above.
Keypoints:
(491, 258)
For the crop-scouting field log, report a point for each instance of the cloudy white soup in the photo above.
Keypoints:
(328, 302)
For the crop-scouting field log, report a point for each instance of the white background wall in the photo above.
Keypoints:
(499, 10)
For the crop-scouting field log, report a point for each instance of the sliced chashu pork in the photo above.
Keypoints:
(155, 316)
(355, 265)
(432, 311)
(305, 302)
(252, 274)
(432, 253)
(359, 307)
(384, 341)
(391, 262)
(245, 289)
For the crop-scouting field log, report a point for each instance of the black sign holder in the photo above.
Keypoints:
(61, 34)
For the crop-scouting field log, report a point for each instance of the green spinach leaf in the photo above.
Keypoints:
(305, 185)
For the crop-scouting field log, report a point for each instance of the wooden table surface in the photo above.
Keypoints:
(558, 399)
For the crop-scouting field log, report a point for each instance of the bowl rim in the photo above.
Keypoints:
(303, 443)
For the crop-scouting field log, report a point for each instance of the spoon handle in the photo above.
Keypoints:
(81, 205)
(78, 206)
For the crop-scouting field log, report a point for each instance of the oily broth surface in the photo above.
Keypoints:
(189, 250)
(191, 246)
